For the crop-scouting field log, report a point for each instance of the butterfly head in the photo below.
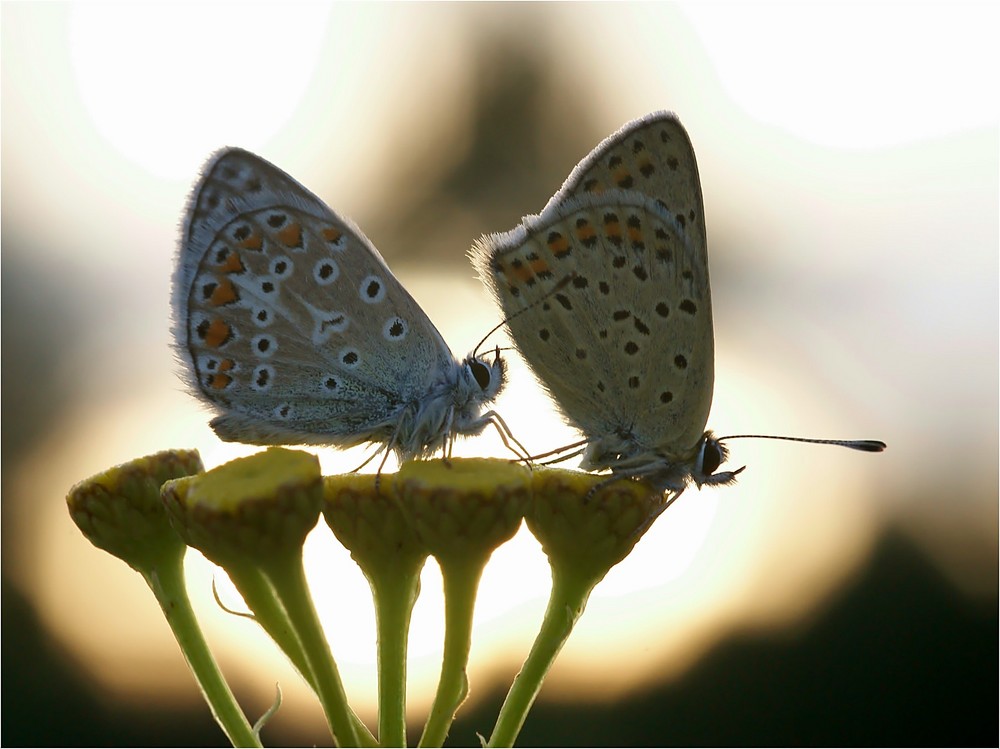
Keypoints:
(481, 379)
(711, 454)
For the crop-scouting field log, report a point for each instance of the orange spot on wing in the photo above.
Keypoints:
(585, 233)
(226, 364)
(558, 244)
(224, 293)
(218, 333)
(254, 242)
(232, 263)
(613, 229)
(621, 176)
(539, 266)
(332, 235)
(219, 381)
(517, 273)
(291, 235)
(635, 235)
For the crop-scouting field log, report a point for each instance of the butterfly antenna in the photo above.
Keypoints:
(558, 287)
(868, 446)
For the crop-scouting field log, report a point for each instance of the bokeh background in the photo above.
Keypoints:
(849, 161)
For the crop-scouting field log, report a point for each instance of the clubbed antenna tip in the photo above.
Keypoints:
(868, 446)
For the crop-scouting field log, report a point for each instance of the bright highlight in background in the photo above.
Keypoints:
(176, 67)
(885, 84)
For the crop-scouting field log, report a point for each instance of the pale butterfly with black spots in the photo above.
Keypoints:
(606, 295)
(293, 328)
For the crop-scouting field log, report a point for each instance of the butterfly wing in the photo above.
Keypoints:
(652, 155)
(607, 293)
(288, 319)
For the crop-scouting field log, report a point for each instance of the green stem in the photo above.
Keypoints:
(288, 578)
(269, 614)
(461, 581)
(167, 583)
(570, 592)
(395, 593)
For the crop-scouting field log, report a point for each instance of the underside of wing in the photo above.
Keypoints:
(652, 155)
(608, 301)
(288, 318)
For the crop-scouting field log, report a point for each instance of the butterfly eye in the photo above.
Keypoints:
(481, 372)
(711, 456)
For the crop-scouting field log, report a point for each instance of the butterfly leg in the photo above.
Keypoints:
(577, 447)
(670, 500)
(507, 436)
(388, 449)
(369, 459)
(659, 511)
(597, 487)
(448, 437)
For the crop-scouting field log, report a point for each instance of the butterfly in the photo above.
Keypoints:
(606, 295)
(292, 327)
